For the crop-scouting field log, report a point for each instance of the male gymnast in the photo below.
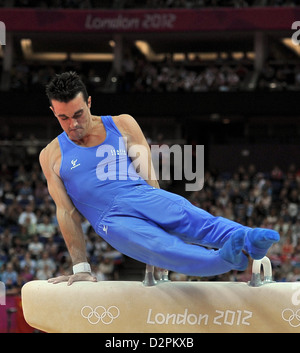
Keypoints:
(125, 207)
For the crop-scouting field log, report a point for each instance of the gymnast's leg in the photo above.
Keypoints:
(179, 217)
(146, 242)
(202, 228)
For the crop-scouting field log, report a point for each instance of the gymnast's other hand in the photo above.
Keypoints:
(80, 276)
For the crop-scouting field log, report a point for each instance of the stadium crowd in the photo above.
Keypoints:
(141, 75)
(32, 247)
(188, 75)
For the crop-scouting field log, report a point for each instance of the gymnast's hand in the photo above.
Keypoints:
(80, 276)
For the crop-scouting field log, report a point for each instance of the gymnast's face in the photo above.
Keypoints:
(74, 116)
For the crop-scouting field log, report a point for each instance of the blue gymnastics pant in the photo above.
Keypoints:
(165, 230)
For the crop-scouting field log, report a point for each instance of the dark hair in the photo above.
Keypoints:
(65, 87)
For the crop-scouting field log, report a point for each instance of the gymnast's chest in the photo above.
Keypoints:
(83, 172)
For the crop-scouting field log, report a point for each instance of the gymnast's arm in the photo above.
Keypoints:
(137, 147)
(68, 217)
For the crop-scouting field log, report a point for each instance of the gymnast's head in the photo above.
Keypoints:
(65, 87)
(70, 103)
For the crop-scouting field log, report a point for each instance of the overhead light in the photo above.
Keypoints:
(143, 46)
(289, 43)
(29, 54)
(91, 57)
(178, 56)
(145, 49)
(26, 45)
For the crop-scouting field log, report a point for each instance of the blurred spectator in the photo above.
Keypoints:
(106, 267)
(45, 229)
(9, 275)
(46, 262)
(96, 271)
(26, 274)
(36, 247)
(44, 273)
(174, 276)
(28, 219)
(28, 262)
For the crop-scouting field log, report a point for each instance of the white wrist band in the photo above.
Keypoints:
(82, 267)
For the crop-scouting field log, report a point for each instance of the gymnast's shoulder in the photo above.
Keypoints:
(125, 122)
(50, 154)
(123, 118)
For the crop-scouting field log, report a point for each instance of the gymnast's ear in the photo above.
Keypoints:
(89, 102)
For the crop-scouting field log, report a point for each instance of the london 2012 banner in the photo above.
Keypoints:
(162, 20)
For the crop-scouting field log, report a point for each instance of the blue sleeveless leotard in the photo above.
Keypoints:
(148, 224)
(94, 176)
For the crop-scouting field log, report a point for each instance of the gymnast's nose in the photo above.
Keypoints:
(74, 124)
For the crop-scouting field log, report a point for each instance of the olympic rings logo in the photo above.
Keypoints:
(94, 316)
(293, 318)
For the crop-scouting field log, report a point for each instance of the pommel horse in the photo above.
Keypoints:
(151, 306)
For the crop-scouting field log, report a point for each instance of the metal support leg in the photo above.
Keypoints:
(165, 276)
(149, 279)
